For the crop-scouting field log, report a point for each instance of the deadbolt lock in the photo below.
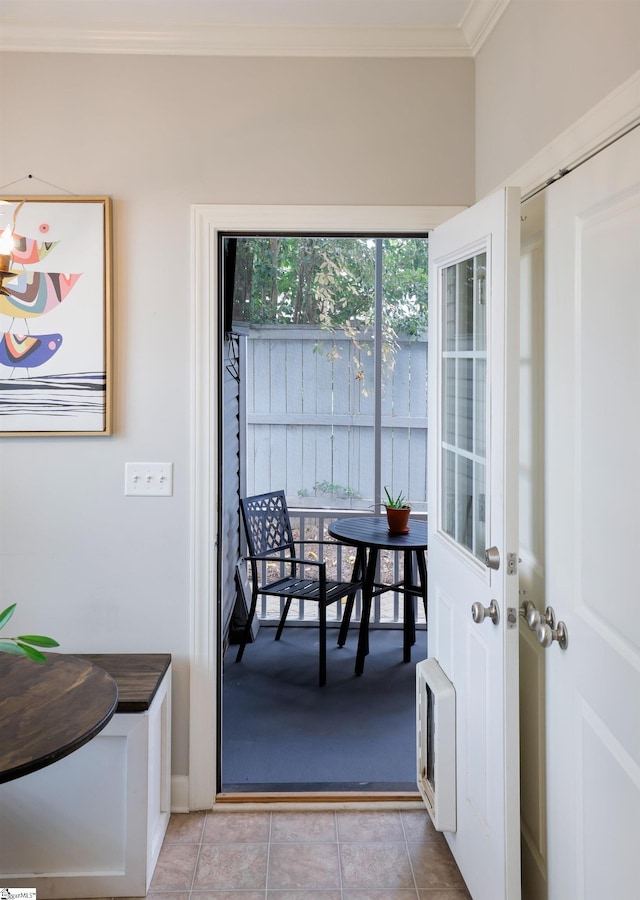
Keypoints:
(492, 558)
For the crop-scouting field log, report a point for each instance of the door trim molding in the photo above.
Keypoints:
(608, 120)
(611, 117)
(206, 222)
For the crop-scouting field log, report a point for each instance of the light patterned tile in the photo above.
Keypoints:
(226, 895)
(175, 868)
(231, 867)
(304, 895)
(434, 866)
(419, 827)
(369, 826)
(237, 828)
(377, 865)
(444, 895)
(163, 895)
(311, 866)
(303, 826)
(185, 828)
(387, 894)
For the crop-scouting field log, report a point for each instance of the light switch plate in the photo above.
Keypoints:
(148, 479)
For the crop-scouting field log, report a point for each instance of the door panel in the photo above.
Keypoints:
(532, 564)
(473, 466)
(593, 431)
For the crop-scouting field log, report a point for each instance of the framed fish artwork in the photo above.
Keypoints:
(55, 316)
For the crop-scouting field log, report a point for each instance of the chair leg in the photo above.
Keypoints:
(346, 619)
(283, 618)
(322, 679)
(246, 632)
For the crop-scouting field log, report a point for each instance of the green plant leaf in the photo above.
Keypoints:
(9, 647)
(398, 502)
(32, 653)
(6, 614)
(39, 640)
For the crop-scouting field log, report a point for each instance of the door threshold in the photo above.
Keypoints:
(317, 797)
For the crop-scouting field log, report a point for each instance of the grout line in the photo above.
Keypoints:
(335, 825)
(406, 845)
(266, 874)
(195, 868)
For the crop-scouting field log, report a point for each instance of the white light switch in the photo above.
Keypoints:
(148, 479)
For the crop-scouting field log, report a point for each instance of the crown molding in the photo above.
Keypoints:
(248, 40)
(479, 21)
(241, 40)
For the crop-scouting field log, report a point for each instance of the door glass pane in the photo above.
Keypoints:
(480, 404)
(449, 403)
(449, 493)
(464, 403)
(479, 521)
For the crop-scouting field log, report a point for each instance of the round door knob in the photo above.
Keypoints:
(479, 612)
(544, 634)
(530, 614)
(547, 635)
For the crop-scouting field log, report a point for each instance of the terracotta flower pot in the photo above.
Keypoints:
(398, 519)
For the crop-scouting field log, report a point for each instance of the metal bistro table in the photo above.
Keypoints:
(370, 534)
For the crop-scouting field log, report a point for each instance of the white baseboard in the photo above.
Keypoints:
(180, 794)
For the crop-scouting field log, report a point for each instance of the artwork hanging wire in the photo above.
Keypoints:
(55, 315)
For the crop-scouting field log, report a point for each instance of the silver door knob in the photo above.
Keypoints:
(530, 614)
(479, 612)
(547, 635)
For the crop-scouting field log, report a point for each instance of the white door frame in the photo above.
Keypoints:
(207, 221)
(609, 118)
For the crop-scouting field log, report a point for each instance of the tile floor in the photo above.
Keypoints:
(317, 855)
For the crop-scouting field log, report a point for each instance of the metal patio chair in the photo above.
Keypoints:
(270, 538)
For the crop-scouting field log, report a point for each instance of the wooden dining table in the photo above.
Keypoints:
(49, 709)
(369, 535)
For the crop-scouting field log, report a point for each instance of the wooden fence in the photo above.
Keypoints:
(310, 418)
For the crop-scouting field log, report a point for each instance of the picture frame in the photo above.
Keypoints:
(56, 374)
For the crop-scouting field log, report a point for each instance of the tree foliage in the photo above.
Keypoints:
(330, 282)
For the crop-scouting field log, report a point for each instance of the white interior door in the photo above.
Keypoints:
(473, 465)
(592, 549)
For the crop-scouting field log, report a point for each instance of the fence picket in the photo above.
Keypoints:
(310, 420)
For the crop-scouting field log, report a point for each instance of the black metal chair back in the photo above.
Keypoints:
(270, 536)
(267, 526)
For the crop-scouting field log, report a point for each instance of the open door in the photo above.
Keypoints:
(593, 496)
(473, 527)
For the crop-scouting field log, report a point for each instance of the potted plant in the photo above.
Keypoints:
(398, 510)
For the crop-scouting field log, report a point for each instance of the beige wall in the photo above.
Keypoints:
(99, 571)
(545, 65)
(231, 130)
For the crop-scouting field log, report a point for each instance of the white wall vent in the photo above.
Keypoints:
(436, 736)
